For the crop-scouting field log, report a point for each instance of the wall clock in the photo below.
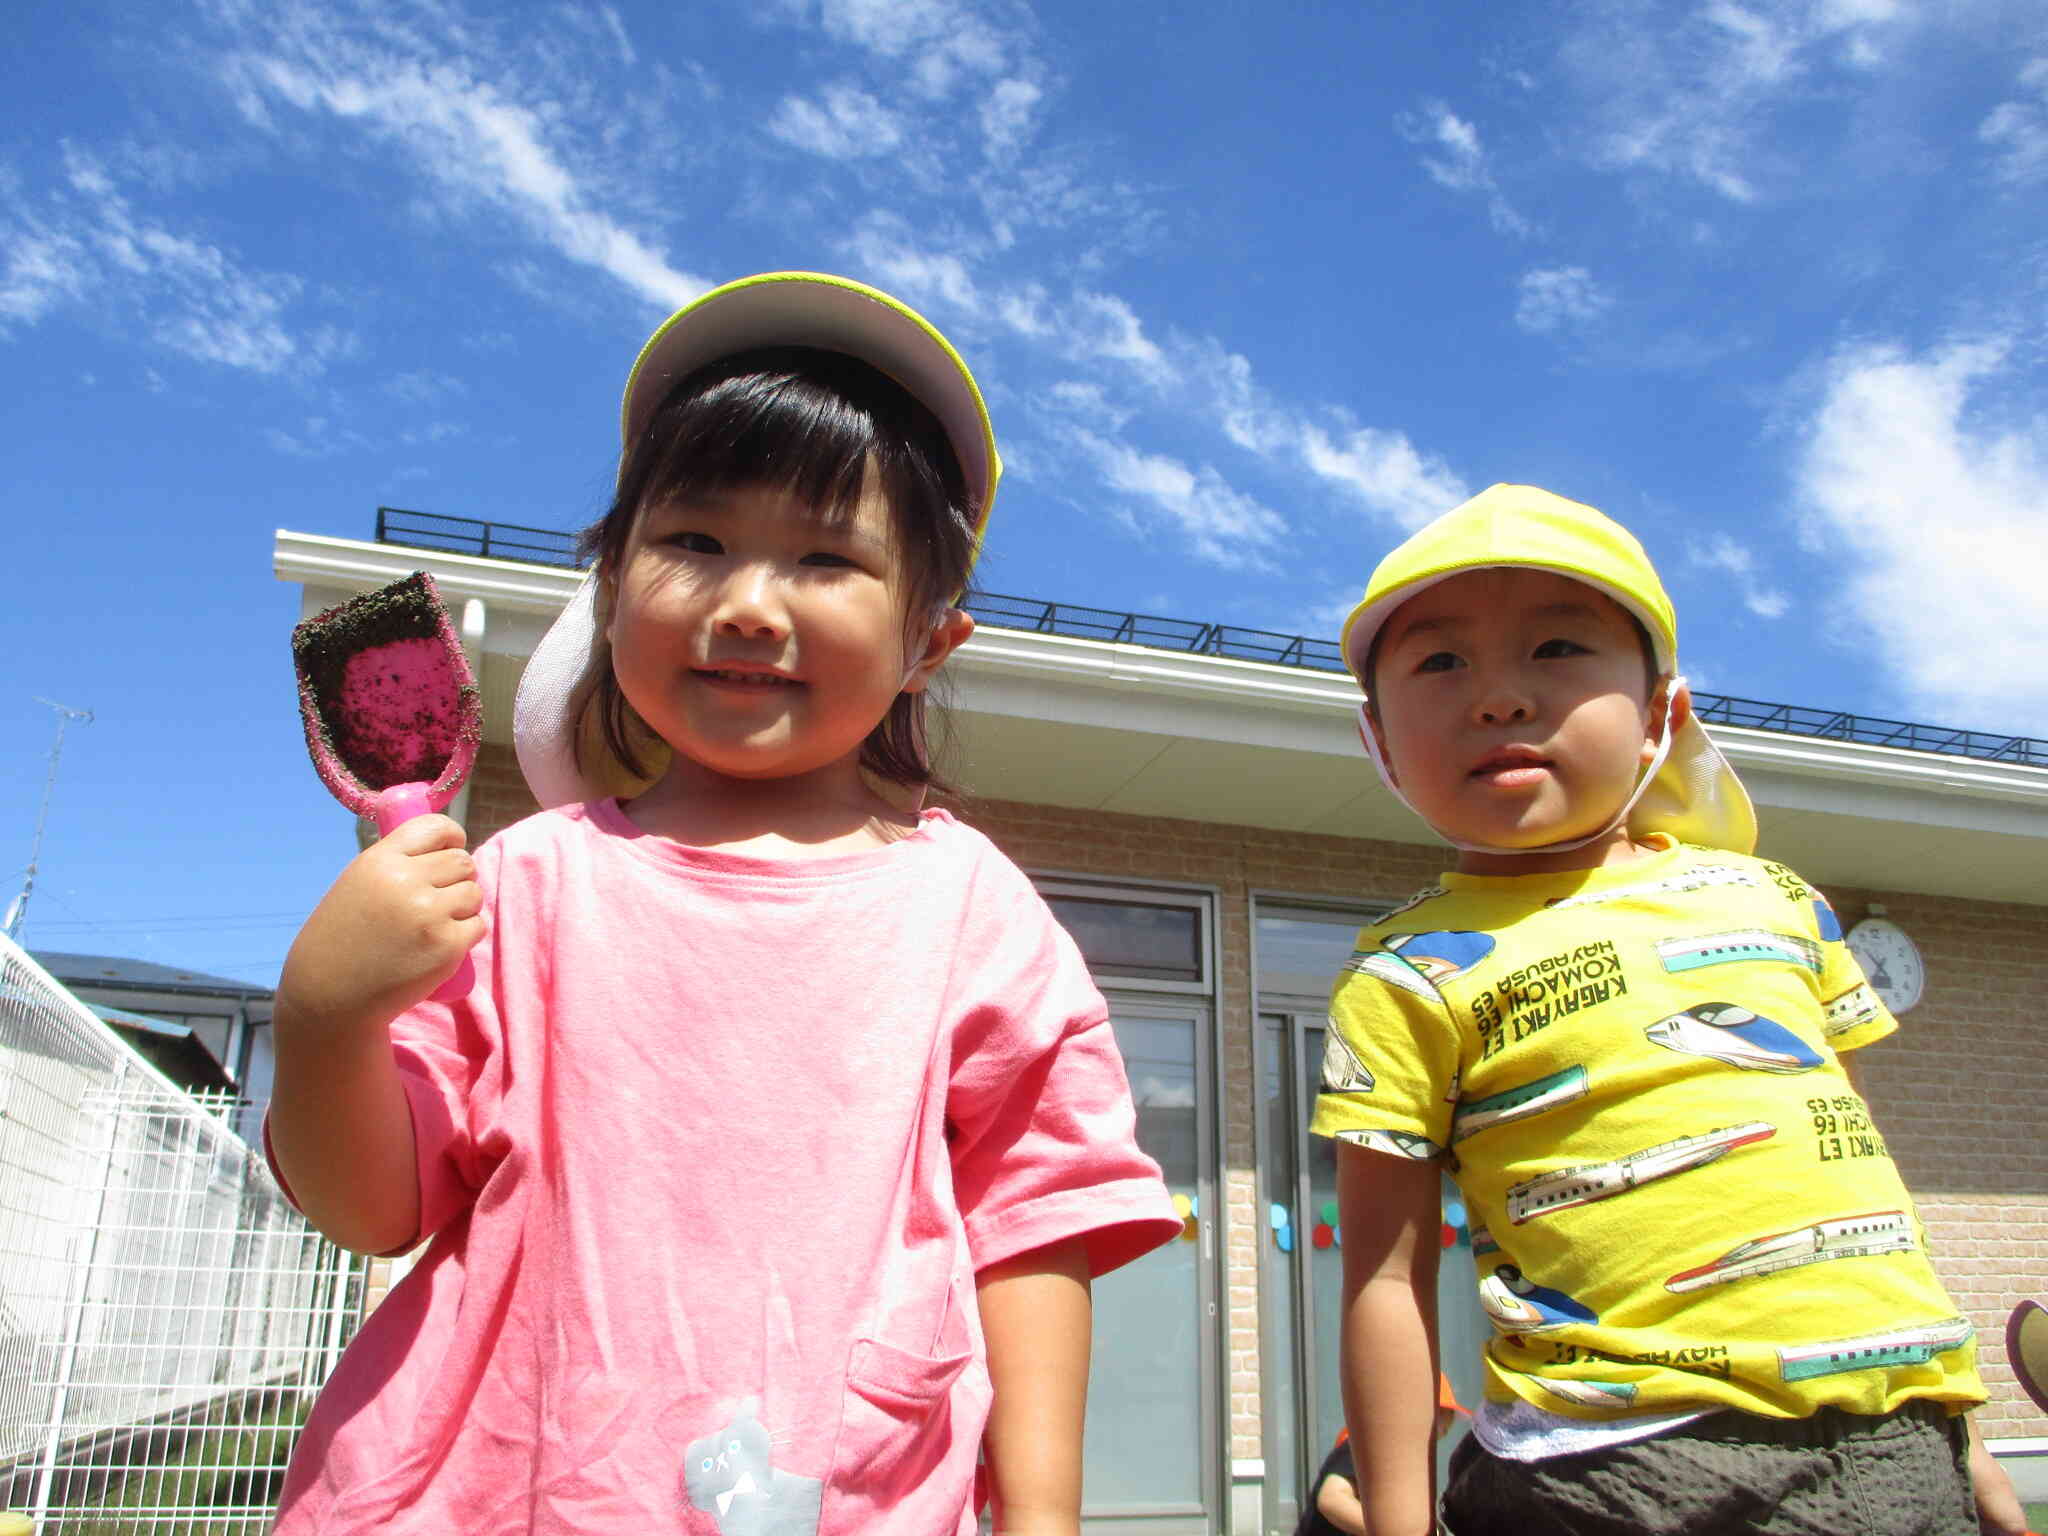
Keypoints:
(1891, 960)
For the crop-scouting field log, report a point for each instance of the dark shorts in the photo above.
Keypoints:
(1835, 1474)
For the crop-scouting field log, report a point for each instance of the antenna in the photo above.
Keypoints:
(18, 908)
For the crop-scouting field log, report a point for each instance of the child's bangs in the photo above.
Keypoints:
(764, 428)
(812, 423)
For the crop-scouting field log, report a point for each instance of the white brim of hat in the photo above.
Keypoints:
(548, 705)
(793, 309)
(2026, 1349)
(834, 314)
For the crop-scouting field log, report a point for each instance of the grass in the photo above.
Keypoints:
(217, 1481)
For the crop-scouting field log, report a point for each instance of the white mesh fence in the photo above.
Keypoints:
(165, 1316)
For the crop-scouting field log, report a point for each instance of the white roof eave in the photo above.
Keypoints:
(1061, 720)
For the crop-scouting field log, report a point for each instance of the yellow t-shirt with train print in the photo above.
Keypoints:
(1677, 1199)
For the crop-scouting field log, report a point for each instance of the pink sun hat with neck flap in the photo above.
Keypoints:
(773, 309)
(1689, 790)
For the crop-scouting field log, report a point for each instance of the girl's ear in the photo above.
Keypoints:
(605, 600)
(946, 637)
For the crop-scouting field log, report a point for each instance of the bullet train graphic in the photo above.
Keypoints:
(1845, 1237)
(1744, 944)
(1824, 918)
(1517, 1103)
(1399, 1143)
(1442, 954)
(1418, 962)
(1875, 1351)
(1731, 1033)
(1592, 1394)
(1517, 1304)
(1343, 1072)
(1567, 1187)
(1384, 965)
(1853, 1007)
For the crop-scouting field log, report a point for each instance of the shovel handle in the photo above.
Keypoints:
(395, 807)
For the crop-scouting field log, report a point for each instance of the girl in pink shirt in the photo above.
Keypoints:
(766, 1165)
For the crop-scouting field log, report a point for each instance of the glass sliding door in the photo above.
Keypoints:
(1153, 1453)
(1150, 1448)
(1296, 950)
(1301, 1274)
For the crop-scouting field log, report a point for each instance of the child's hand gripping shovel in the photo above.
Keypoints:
(393, 716)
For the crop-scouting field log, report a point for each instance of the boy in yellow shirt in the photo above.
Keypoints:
(1623, 1035)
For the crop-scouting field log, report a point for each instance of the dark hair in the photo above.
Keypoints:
(1650, 672)
(811, 422)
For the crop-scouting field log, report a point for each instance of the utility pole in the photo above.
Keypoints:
(18, 909)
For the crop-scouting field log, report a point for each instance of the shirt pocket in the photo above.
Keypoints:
(909, 1435)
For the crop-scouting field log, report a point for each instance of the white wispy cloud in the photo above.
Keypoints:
(885, 245)
(44, 267)
(940, 112)
(1219, 524)
(2017, 131)
(470, 134)
(1559, 298)
(1104, 327)
(1723, 553)
(318, 437)
(1689, 90)
(423, 386)
(1927, 479)
(843, 123)
(1379, 468)
(939, 42)
(628, 55)
(84, 243)
(1009, 114)
(1385, 471)
(1454, 158)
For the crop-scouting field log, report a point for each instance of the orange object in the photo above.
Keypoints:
(1446, 1399)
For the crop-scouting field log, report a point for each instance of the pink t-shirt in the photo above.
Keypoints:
(710, 1158)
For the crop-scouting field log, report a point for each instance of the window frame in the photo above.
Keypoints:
(1294, 1013)
(1152, 997)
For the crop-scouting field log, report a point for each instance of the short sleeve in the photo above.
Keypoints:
(1390, 1058)
(1040, 1121)
(1852, 1014)
(444, 1054)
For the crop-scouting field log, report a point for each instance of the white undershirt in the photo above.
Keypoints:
(1520, 1431)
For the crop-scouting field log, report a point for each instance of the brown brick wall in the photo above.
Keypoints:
(1956, 1092)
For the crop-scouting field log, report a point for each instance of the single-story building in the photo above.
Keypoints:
(1193, 801)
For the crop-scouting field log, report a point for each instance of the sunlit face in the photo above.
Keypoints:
(1511, 710)
(759, 639)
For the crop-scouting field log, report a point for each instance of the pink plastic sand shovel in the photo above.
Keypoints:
(393, 716)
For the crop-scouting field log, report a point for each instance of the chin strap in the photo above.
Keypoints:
(1649, 772)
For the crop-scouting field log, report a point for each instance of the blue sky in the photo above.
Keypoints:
(1252, 291)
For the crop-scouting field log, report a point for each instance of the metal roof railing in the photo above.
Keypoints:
(543, 546)
(471, 536)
